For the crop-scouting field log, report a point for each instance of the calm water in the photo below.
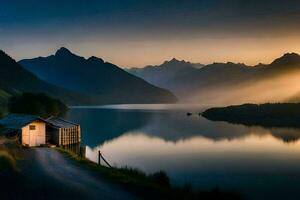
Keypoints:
(258, 162)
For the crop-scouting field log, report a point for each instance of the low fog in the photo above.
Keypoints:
(283, 88)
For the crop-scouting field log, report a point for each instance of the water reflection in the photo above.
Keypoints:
(254, 160)
(101, 125)
(251, 165)
(149, 153)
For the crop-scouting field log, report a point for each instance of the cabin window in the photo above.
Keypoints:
(32, 127)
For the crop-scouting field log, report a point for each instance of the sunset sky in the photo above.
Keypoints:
(135, 33)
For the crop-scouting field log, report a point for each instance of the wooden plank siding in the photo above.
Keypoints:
(70, 135)
(63, 132)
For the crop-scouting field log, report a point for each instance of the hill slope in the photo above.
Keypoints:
(93, 76)
(14, 80)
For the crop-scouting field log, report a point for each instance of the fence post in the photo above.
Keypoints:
(99, 158)
(82, 151)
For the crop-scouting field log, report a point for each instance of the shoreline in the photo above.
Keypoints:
(153, 186)
(268, 115)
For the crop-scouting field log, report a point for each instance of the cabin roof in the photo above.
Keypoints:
(61, 123)
(18, 121)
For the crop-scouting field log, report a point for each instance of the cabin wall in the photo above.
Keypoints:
(35, 137)
(70, 135)
(25, 135)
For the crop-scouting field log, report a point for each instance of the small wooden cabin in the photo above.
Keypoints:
(30, 129)
(35, 131)
(61, 132)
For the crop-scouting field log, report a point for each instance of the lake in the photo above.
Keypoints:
(260, 163)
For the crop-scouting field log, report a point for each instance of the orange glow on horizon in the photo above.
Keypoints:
(142, 52)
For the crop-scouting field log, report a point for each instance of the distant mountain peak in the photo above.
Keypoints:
(287, 59)
(174, 61)
(291, 55)
(95, 59)
(63, 51)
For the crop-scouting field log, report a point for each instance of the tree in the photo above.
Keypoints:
(36, 104)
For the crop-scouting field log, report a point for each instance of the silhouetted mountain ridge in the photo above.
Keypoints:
(287, 59)
(163, 74)
(211, 80)
(93, 76)
(95, 59)
(14, 79)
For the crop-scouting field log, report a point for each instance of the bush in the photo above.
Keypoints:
(36, 104)
(161, 178)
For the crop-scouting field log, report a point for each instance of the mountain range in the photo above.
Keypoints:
(165, 73)
(224, 83)
(101, 82)
(14, 79)
(92, 81)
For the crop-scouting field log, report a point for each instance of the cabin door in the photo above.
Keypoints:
(32, 135)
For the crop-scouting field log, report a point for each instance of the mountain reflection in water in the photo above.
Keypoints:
(171, 125)
(251, 160)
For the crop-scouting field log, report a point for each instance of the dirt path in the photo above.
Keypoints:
(58, 177)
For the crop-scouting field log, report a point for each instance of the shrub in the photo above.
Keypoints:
(161, 178)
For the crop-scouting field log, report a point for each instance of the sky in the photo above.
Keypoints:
(135, 33)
